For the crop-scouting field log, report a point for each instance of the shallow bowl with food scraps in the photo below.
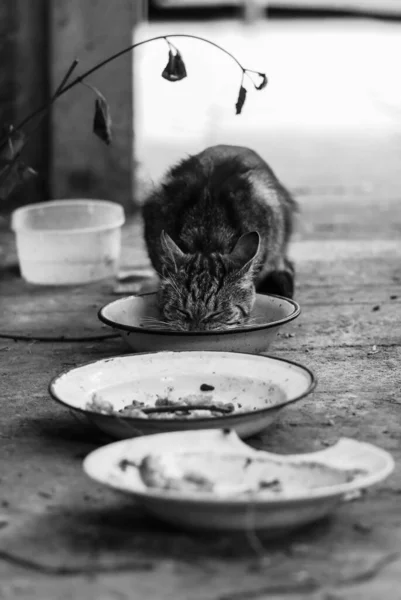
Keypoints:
(148, 393)
(211, 479)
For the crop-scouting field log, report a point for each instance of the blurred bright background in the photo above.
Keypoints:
(330, 117)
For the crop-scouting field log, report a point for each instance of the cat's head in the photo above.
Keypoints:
(199, 292)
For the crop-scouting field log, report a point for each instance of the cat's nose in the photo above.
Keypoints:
(196, 326)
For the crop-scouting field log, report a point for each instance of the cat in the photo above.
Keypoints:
(217, 230)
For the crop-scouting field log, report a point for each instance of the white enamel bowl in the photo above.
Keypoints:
(269, 314)
(263, 385)
(324, 480)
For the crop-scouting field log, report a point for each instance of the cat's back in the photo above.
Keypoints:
(225, 168)
(221, 176)
(223, 153)
(208, 200)
(237, 168)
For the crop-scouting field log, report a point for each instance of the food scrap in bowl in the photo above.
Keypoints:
(191, 406)
(205, 387)
(99, 405)
(165, 473)
(235, 475)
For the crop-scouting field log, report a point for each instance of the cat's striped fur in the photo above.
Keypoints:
(217, 226)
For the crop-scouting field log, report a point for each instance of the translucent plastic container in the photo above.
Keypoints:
(66, 242)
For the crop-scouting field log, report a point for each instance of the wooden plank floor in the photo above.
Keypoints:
(63, 537)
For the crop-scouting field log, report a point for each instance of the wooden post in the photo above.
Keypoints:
(6, 57)
(24, 84)
(81, 164)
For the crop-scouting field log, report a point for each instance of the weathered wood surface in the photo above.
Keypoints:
(82, 541)
(82, 165)
(24, 83)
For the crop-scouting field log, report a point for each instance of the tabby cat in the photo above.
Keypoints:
(217, 230)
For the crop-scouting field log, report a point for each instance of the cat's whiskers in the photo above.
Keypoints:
(252, 321)
(153, 322)
(170, 280)
(175, 286)
(158, 327)
(159, 274)
(156, 323)
(151, 318)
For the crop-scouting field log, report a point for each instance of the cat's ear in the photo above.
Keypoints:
(245, 251)
(172, 255)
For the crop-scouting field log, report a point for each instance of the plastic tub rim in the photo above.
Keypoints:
(84, 201)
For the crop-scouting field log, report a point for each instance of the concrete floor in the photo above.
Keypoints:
(64, 538)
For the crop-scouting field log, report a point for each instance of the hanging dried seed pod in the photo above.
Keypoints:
(102, 119)
(263, 83)
(175, 69)
(241, 100)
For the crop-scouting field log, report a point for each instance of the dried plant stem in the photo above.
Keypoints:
(89, 86)
(65, 88)
(66, 77)
(186, 408)
(40, 121)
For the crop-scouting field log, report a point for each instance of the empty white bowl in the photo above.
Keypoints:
(67, 242)
(262, 385)
(269, 314)
(324, 480)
